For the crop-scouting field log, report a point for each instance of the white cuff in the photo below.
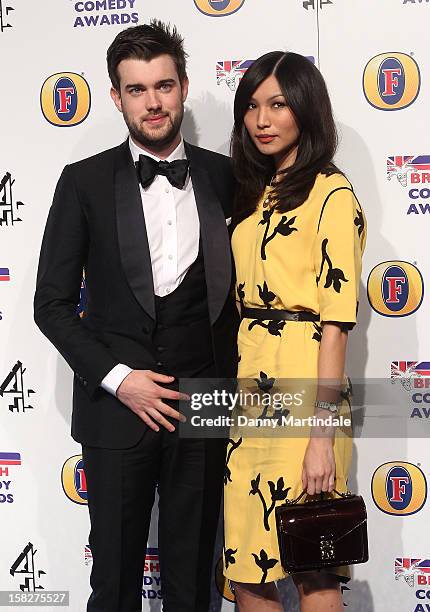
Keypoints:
(114, 378)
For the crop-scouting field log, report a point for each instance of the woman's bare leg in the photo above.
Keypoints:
(257, 597)
(318, 592)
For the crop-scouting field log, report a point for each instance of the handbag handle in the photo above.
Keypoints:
(295, 501)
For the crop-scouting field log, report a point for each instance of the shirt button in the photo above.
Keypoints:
(170, 256)
(167, 289)
(159, 364)
(167, 190)
(169, 222)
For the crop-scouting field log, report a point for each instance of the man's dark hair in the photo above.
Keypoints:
(145, 42)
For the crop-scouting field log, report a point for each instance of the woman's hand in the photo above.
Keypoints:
(319, 466)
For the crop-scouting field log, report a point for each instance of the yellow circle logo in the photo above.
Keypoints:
(65, 99)
(395, 288)
(222, 583)
(391, 81)
(74, 481)
(218, 8)
(399, 488)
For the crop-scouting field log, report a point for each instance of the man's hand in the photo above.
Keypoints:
(140, 392)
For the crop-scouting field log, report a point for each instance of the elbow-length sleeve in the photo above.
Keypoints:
(338, 250)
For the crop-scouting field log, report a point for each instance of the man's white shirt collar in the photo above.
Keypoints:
(178, 153)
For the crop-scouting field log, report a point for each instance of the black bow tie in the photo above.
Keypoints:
(175, 171)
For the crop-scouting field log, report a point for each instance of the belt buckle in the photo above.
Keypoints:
(295, 316)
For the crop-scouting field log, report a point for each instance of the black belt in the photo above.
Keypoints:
(274, 314)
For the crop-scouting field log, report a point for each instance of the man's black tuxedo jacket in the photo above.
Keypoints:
(96, 223)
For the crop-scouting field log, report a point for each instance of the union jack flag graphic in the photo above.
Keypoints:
(4, 274)
(409, 568)
(88, 555)
(10, 459)
(231, 71)
(405, 371)
(399, 165)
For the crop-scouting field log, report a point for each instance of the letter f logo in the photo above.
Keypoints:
(391, 80)
(394, 288)
(399, 489)
(65, 99)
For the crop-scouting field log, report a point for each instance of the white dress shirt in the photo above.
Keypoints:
(173, 229)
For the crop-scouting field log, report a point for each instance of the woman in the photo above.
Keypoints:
(298, 242)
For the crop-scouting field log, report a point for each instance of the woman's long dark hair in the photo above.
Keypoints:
(306, 95)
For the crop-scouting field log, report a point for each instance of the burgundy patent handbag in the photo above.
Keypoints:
(322, 533)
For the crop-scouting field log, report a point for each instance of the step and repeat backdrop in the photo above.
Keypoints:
(56, 109)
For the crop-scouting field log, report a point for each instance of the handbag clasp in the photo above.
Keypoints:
(327, 547)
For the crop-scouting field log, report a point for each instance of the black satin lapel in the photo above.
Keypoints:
(132, 237)
(215, 240)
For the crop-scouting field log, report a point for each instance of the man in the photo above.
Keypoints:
(147, 221)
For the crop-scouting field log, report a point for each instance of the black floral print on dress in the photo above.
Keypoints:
(274, 327)
(229, 557)
(264, 563)
(233, 445)
(277, 492)
(284, 228)
(359, 222)
(266, 296)
(334, 275)
(346, 393)
(318, 332)
(241, 293)
(264, 382)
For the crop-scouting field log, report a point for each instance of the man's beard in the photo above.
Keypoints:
(156, 139)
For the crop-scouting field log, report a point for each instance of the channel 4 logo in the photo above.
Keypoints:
(5, 11)
(399, 488)
(391, 81)
(395, 288)
(315, 4)
(15, 391)
(9, 206)
(218, 8)
(65, 99)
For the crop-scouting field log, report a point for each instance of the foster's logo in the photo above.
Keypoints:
(399, 488)
(218, 8)
(391, 81)
(395, 288)
(74, 481)
(65, 99)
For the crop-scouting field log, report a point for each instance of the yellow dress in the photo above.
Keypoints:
(305, 259)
